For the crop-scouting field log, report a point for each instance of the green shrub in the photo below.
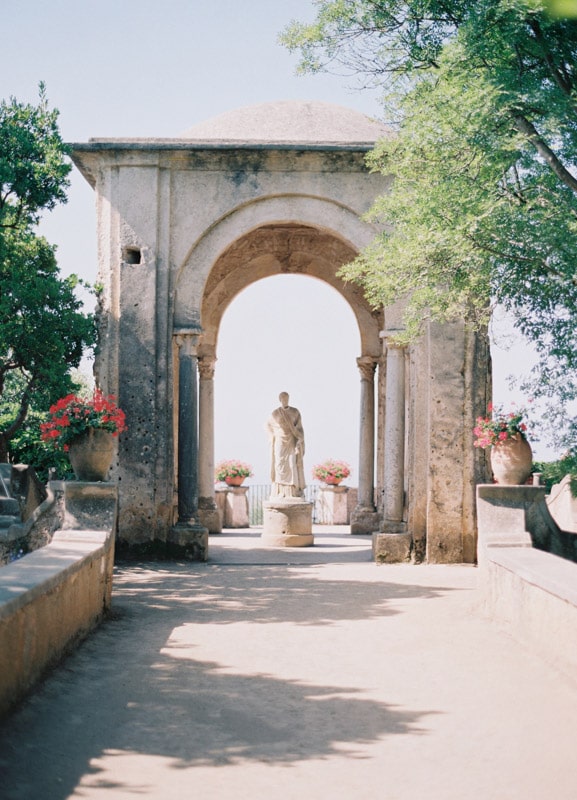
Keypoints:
(553, 472)
(28, 448)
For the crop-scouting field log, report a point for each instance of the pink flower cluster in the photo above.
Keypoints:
(232, 469)
(332, 469)
(499, 427)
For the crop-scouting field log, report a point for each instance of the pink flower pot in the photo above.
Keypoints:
(237, 481)
(511, 461)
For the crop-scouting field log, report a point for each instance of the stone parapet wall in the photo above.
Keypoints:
(52, 598)
(531, 593)
(534, 596)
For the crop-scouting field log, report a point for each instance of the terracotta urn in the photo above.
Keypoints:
(332, 481)
(238, 480)
(511, 461)
(91, 454)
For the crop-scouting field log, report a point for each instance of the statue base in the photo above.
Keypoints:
(287, 523)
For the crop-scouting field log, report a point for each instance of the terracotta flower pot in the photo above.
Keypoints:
(91, 454)
(511, 461)
(234, 481)
(332, 481)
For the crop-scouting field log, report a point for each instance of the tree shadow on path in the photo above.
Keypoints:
(124, 692)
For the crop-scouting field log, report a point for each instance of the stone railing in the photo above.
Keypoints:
(34, 512)
(532, 593)
(53, 597)
(562, 506)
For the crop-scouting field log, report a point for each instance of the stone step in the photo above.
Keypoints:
(8, 519)
(10, 506)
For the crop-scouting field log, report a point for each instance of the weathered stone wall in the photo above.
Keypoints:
(133, 356)
(457, 380)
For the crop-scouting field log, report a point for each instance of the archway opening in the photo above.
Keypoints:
(289, 333)
(324, 380)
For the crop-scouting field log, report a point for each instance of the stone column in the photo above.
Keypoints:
(364, 518)
(393, 543)
(188, 537)
(207, 508)
(394, 434)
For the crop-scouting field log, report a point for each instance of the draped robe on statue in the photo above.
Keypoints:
(288, 446)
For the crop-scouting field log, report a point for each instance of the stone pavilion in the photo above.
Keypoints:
(184, 225)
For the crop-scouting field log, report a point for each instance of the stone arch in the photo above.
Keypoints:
(272, 236)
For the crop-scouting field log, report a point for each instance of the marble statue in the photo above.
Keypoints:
(287, 440)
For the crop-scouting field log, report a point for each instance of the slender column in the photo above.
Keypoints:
(207, 507)
(206, 426)
(364, 518)
(367, 366)
(394, 431)
(187, 342)
(188, 538)
(393, 543)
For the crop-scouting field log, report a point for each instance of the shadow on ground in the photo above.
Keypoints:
(331, 546)
(124, 692)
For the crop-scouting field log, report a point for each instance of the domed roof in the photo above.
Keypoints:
(290, 121)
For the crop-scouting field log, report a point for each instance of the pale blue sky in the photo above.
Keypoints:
(119, 68)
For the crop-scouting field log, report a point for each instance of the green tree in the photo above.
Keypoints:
(44, 331)
(26, 446)
(483, 208)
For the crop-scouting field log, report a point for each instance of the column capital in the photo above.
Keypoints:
(367, 366)
(389, 339)
(206, 366)
(187, 339)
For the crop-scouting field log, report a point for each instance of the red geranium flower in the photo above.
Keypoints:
(73, 415)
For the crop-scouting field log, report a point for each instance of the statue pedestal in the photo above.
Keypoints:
(232, 504)
(332, 505)
(287, 523)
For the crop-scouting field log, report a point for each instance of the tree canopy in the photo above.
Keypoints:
(44, 331)
(483, 206)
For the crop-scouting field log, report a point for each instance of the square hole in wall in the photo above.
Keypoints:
(132, 255)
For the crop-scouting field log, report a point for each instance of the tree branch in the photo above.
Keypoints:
(505, 256)
(9, 432)
(524, 126)
(560, 78)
